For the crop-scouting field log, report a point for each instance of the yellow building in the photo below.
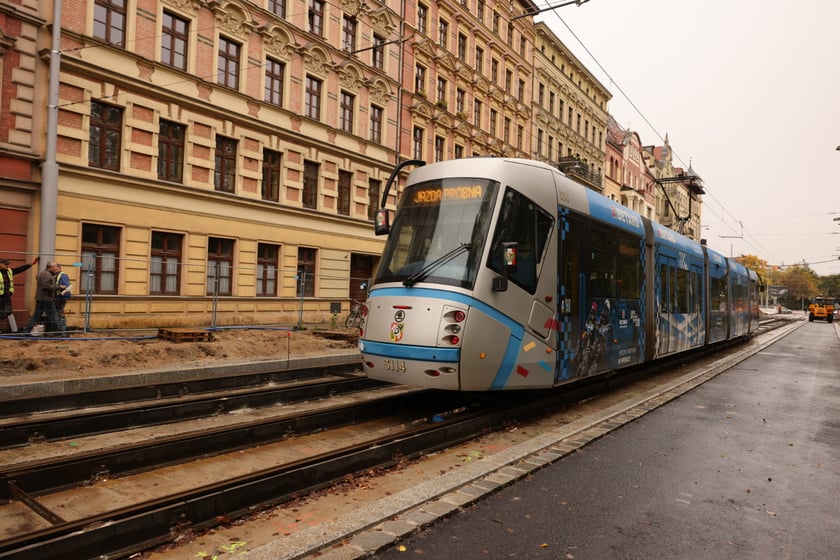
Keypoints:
(220, 162)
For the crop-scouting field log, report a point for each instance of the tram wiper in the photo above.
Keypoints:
(435, 264)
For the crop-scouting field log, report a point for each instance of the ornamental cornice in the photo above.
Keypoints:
(234, 19)
(316, 59)
(350, 76)
(382, 21)
(186, 6)
(278, 42)
(379, 91)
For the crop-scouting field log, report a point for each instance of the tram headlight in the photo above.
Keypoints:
(454, 340)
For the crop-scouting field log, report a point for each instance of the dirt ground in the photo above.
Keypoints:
(96, 352)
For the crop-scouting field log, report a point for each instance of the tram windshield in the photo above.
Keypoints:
(439, 232)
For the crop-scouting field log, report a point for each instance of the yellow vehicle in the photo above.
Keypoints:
(821, 308)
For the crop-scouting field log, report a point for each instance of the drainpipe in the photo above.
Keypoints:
(49, 169)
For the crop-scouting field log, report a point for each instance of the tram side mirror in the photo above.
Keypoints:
(509, 257)
(381, 222)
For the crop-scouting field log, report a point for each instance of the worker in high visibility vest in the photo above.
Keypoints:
(7, 288)
(63, 290)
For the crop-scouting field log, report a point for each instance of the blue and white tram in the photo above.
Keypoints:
(505, 274)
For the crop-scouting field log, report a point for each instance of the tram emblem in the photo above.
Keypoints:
(399, 316)
(396, 332)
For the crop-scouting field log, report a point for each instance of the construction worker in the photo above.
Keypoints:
(7, 288)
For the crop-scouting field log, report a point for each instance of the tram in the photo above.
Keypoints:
(504, 274)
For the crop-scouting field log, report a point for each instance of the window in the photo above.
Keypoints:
(492, 124)
(345, 183)
(496, 19)
(306, 271)
(109, 21)
(443, 33)
(508, 80)
(375, 124)
(614, 270)
(510, 34)
(316, 17)
(348, 103)
(521, 92)
(441, 90)
(313, 98)
(520, 134)
(165, 265)
(228, 63)
(439, 148)
(310, 184)
(348, 34)
(224, 177)
(374, 190)
(417, 143)
(219, 266)
(479, 60)
(506, 132)
(539, 143)
(100, 254)
(459, 151)
(494, 71)
(523, 222)
(105, 136)
(174, 41)
(378, 52)
(271, 175)
(277, 7)
(462, 47)
(267, 267)
(460, 100)
(420, 79)
(171, 151)
(422, 18)
(274, 76)
(477, 113)
(479, 10)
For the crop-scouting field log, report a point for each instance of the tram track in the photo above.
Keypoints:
(333, 442)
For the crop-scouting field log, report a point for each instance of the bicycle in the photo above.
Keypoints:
(354, 318)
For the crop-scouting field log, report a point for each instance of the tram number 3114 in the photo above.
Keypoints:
(395, 365)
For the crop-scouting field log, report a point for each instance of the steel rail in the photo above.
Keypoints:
(188, 382)
(134, 528)
(93, 421)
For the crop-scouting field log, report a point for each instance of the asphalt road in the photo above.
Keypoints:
(745, 466)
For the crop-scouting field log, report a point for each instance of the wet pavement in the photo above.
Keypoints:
(745, 466)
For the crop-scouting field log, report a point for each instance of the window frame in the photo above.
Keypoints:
(228, 63)
(102, 251)
(172, 37)
(166, 253)
(105, 140)
(171, 150)
(224, 171)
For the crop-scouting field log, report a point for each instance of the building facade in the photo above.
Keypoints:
(22, 30)
(220, 161)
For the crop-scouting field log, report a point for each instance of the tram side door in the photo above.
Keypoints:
(571, 291)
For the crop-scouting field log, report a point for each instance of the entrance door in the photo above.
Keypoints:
(361, 271)
(572, 292)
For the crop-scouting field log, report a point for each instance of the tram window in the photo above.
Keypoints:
(614, 268)
(521, 221)
(683, 292)
(718, 293)
(628, 267)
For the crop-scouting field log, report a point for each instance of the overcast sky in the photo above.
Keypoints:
(748, 92)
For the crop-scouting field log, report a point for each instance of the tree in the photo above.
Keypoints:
(802, 284)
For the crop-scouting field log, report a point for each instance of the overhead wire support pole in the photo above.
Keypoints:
(548, 8)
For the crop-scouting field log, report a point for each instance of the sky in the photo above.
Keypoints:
(748, 92)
